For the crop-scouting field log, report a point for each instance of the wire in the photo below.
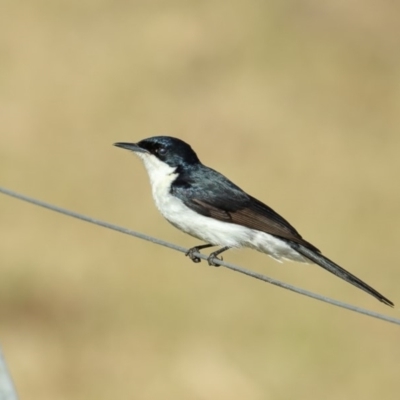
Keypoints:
(230, 266)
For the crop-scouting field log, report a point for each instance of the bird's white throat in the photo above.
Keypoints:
(161, 176)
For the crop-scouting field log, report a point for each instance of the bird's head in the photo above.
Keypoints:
(169, 150)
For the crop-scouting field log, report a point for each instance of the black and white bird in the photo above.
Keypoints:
(205, 204)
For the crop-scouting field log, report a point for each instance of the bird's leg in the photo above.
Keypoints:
(213, 256)
(190, 252)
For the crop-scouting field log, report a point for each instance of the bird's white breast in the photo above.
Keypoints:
(205, 228)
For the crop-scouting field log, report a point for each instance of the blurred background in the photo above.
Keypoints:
(297, 102)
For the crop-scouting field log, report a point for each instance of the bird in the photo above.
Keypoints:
(205, 204)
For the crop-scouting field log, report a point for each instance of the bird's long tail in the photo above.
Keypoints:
(335, 269)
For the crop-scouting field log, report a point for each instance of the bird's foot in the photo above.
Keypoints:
(190, 254)
(212, 257)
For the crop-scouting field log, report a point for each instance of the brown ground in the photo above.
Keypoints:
(297, 102)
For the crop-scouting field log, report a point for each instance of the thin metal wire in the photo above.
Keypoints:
(232, 267)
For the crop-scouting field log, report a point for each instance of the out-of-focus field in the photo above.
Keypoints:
(297, 102)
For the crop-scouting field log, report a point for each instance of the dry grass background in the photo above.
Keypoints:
(303, 97)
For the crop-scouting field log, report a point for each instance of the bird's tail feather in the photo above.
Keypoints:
(335, 269)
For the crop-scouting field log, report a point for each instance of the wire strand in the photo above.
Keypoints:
(222, 263)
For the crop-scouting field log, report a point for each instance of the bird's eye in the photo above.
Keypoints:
(162, 151)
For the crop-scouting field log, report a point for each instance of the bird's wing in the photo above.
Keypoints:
(253, 215)
(226, 202)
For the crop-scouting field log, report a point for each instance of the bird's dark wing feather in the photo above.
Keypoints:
(221, 199)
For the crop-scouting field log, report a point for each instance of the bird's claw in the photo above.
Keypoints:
(190, 254)
(211, 260)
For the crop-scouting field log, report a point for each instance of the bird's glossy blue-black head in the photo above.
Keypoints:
(172, 151)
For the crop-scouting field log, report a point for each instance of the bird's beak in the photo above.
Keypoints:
(131, 146)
